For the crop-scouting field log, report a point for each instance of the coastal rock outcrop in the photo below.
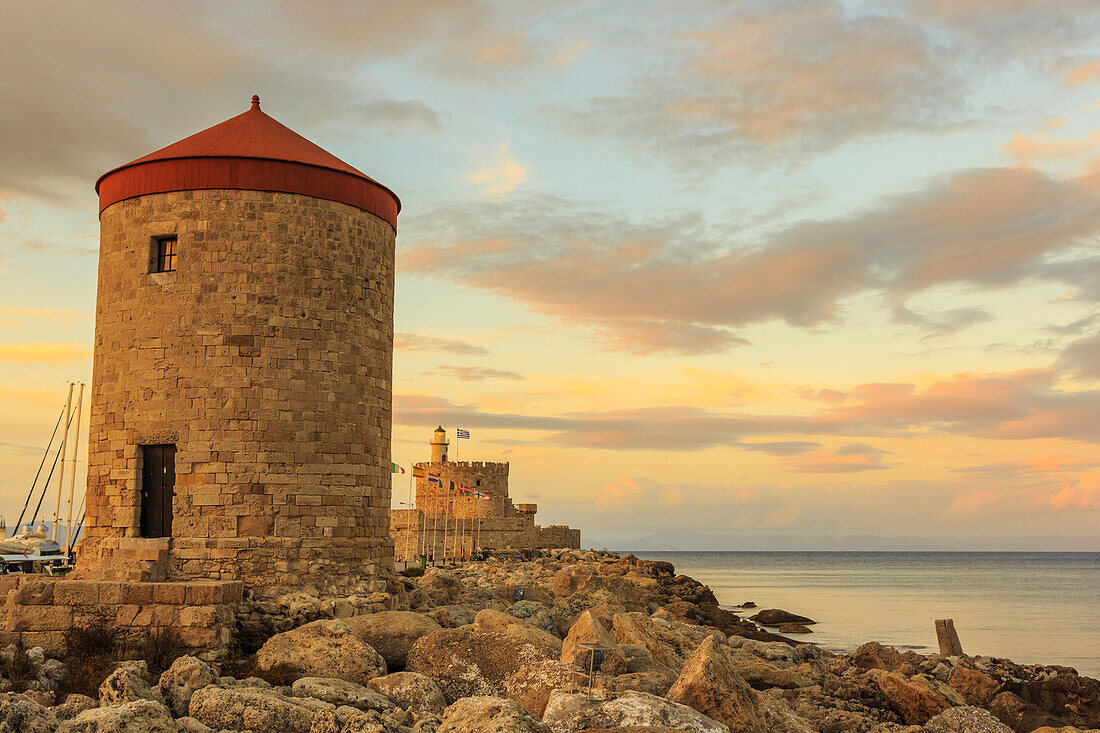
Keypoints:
(916, 699)
(966, 719)
(323, 649)
(465, 663)
(489, 620)
(392, 633)
(129, 682)
(710, 683)
(341, 693)
(254, 708)
(180, 681)
(569, 712)
(137, 716)
(588, 630)
(20, 713)
(486, 714)
(411, 691)
(777, 616)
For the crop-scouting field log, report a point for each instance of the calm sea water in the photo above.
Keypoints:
(1028, 607)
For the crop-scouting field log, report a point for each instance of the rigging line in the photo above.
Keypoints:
(47, 483)
(45, 455)
(76, 534)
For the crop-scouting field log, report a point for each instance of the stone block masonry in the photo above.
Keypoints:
(38, 610)
(265, 358)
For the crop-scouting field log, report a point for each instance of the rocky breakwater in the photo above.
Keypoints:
(488, 646)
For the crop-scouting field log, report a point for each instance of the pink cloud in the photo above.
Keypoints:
(1083, 495)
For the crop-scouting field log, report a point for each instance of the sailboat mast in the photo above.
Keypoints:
(64, 445)
(72, 476)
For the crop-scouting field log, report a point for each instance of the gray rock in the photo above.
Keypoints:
(489, 715)
(323, 649)
(180, 681)
(74, 705)
(137, 716)
(392, 633)
(341, 692)
(966, 720)
(254, 708)
(128, 683)
(411, 691)
(20, 714)
(567, 712)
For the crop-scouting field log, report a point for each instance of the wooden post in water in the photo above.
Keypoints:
(949, 640)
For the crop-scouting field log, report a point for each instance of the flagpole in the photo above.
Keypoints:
(408, 527)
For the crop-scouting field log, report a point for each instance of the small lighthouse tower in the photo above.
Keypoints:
(439, 445)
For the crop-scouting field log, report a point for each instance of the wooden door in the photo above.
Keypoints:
(158, 486)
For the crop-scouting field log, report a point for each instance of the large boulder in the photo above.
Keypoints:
(1064, 694)
(411, 691)
(352, 720)
(464, 662)
(128, 683)
(1020, 715)
(326, 648)
(977, 688)
(763, 675)
(667, 646)
(73, 706)
(779, 717)
(254, 708)
(567, 712)
(535, 613)
(180, 681)
(392, 633)
(20, 714)
(489, 621)
(137, 716)
(874, 655)
(966, 719)
(916, 700)
(588, 630)
(777, 616)
(532, 685)
(710, 683)
(484, 714)
(341, 692)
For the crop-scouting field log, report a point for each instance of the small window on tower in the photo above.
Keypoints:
(164, 254)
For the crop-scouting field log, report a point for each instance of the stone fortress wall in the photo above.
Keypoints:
(266, 359)
(456, 525)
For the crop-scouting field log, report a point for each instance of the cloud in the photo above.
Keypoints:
(475, 374)
(1087, 73)
(946, 323)
(43, 317)
(851, 458)
(1081, 358)
(423, 342)
(41, 353)
(1018, 405)
(1084, 495)
(1043, 146)
(781, 447)
(501, 175)
(398, 118)
(642, 282)
(767, 79)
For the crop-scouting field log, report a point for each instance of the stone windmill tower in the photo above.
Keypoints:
(240, 409)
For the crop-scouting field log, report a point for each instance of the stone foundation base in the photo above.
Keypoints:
(39, 609)
(268, 566)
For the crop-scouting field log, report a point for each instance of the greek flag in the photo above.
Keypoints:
(460, 433)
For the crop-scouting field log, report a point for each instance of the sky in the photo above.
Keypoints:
(797, 268)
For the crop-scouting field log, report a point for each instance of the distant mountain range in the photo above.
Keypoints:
(672, 541)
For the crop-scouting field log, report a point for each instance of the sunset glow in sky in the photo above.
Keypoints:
(724, 267)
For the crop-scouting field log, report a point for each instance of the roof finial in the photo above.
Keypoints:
(255, 101)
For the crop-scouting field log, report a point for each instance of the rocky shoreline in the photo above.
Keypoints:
(489, 646)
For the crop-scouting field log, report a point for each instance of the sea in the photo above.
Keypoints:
(1033, 608)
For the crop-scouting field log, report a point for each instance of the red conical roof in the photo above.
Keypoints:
(251, 151)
